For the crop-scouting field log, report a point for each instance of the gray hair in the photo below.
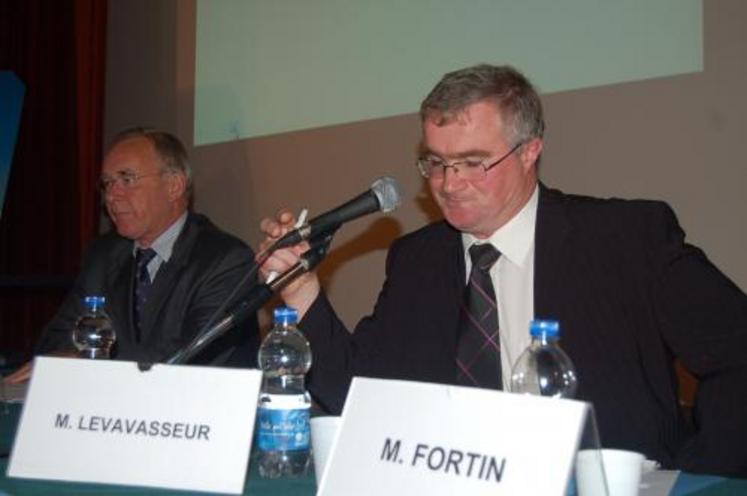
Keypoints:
(515, 96)
(168, 147)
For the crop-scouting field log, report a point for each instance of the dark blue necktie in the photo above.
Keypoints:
(142, 285)
(479, 350)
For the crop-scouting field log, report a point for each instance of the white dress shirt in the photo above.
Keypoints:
(163, 245)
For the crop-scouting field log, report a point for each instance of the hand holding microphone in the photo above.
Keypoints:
(286, 241)
(304, 290)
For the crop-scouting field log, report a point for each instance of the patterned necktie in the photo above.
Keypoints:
(142, 285)
(479, 352)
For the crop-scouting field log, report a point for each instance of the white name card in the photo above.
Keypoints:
(401, 437)
(177, 427)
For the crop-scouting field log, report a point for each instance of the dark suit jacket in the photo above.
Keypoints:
(630, 295)
(205, 266)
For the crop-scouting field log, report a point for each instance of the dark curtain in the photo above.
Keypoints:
(52, 206)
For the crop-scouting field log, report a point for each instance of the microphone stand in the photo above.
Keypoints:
(259, 295)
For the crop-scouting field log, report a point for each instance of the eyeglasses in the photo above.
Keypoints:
(470, 170)
(126, 179)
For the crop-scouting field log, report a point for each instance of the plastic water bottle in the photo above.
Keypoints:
(283, 431)
(93, 334)
(543, 368)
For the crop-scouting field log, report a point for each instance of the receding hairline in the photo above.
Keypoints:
(136, 140)
(169, 149)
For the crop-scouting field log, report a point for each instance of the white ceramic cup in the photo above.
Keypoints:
(323, 434)
(622, 470)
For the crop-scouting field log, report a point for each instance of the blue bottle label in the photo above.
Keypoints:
(283, 429)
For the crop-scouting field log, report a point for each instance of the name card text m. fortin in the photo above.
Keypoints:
(400, 437)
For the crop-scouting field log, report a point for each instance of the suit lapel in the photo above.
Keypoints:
(551, 249)
(119, 281)
(458, 276)
(452, 263)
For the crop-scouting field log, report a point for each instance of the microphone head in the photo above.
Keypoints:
(388, 192)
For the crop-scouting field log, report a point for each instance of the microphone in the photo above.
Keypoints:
(258, 296)
(384, 195)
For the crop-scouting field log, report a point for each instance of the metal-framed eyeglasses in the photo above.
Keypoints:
(469, 169)
(126, 179)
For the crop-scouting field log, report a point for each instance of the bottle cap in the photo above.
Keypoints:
(549, 328)
(285, 315)
(94, 302)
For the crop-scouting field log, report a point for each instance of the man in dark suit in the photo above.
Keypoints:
(187, 266)
(629, 293)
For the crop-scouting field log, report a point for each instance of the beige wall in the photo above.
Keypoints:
(676, 139)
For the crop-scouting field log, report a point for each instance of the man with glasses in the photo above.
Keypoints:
(165, 270)
(629, 293)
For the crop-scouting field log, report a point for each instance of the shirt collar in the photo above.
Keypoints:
(514, 239)
(164, 244)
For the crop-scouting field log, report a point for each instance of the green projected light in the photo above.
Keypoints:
(266, 67)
